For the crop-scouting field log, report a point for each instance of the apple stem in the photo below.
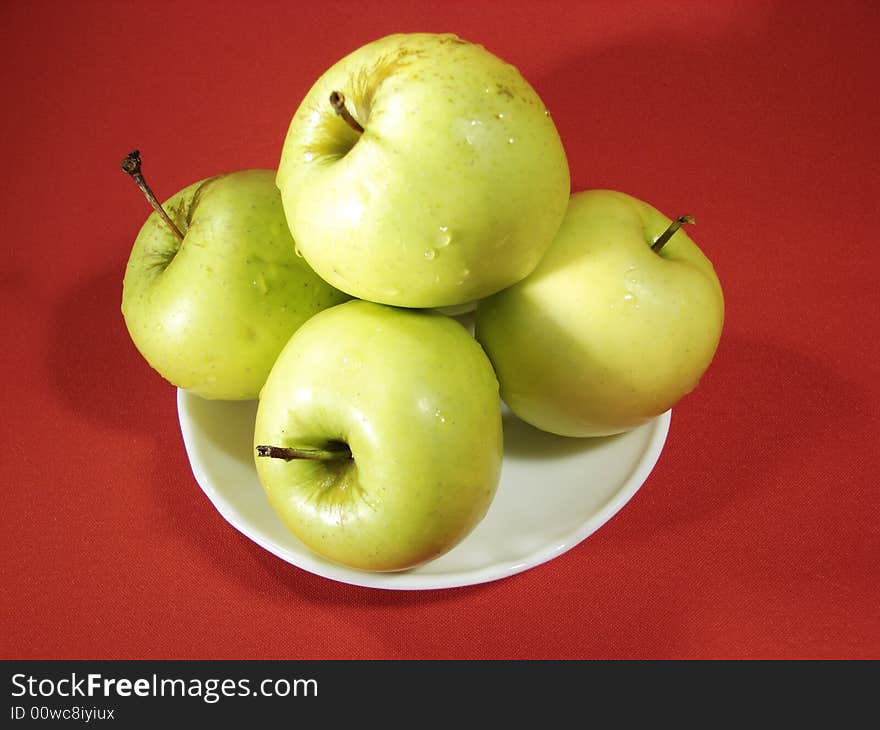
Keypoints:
(132, 166)
(661, 240)
(337, 101)
(337, 451)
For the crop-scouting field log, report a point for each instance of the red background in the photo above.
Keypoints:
(756, 536)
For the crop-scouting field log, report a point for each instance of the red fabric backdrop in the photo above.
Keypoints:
(757, 533)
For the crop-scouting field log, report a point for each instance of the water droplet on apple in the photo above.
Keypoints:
(632, 284)
(473, 122)
(510, 140)
(308, 156)
(438, 415)
(444, 238)
(430, 253)
(546, 112)
(260, 283)
(297, 251)
(499, 116)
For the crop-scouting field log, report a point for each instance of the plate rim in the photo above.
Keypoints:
(411, 580)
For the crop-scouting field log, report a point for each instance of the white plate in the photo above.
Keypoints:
(554, 492)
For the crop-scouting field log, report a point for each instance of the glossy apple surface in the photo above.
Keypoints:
(415, 400)
(605, 334)
(211, 313)
(453, 191)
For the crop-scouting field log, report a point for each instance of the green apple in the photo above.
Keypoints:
(618, 322)
(213, 292)
(378, 435)
(421, 170)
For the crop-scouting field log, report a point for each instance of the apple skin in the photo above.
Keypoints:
(605, 334)
(212, 313)
(416, 400)
(453, 192)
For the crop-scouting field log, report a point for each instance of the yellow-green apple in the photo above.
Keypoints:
(213, 288)
(378, 435)
(421, 170)
(616, 324)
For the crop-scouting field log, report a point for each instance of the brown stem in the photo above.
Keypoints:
(336, 451)
(132, 166)
(661, 240)
(337, 101)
